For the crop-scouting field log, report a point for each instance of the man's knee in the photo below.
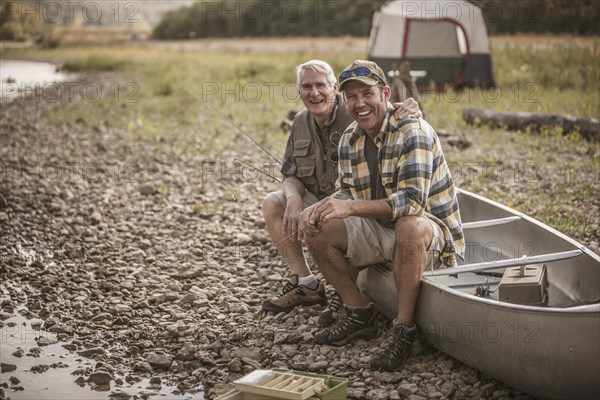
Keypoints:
(312, 242)
(413, 234)
(271, 204)
(328, 241)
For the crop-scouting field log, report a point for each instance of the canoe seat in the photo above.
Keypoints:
(511, 262)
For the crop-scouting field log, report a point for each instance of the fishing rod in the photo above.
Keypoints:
(215, 111)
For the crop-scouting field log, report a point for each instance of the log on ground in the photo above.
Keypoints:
(588, 128)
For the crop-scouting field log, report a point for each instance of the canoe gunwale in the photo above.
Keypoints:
(490, 222)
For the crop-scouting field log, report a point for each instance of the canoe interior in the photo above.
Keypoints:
(572, 282)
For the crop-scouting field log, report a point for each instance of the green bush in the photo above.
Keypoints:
(92, 63)
(12, 31)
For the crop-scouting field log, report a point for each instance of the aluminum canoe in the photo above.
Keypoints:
(549, 352)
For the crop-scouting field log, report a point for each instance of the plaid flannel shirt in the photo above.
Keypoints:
(413, 171)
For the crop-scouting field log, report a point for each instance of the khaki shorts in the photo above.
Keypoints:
(308, 199)
(371, 243)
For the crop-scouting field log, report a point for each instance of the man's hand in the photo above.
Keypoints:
(306, 227)
(406, 108)
(291, 220)
(330, 208)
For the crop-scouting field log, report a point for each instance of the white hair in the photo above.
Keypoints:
(318, 66)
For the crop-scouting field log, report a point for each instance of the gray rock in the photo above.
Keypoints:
(242, 238)
(142, 367)
(95, 218)
(3, 202)
(189, 298)
(408, 389)
(319, 365)
(377, 394)
(101, 317)
(19, 353)
(166, 297)
(447, 366)
(235, 365)
(100, 378)
(356, 393)
(70, 346)
(91, 352)
(147, 189)
(158, 361)
(251, 362)
(389, 377)
(245, 352)
(4, 367)
(45, 341)
(275, 277)
(119, 396)
(156, 380)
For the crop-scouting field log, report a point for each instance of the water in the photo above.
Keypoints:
(58, 381)
(22, 77)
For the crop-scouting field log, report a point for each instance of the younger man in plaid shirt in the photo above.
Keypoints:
(395, 201)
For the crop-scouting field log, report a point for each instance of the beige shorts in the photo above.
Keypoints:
(371, 243)
(308, 199)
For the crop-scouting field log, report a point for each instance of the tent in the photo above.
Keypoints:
(446, 39)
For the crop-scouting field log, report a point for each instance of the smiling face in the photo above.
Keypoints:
(317, 94)
(367, 104)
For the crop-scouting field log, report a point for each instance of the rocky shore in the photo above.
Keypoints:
(150, 260)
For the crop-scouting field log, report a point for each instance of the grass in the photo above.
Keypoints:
(154, 93)
(92, 63)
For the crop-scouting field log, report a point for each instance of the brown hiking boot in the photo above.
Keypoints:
(294, 295)
(350, 323)
(396, 348)
(329, 315)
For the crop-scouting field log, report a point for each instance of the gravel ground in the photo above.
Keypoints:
(152, 261)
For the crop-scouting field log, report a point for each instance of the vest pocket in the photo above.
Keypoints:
(306, 174)
(301, 147)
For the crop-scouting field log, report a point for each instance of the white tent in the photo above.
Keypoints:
(446, 38)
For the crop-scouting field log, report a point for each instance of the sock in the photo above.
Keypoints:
(357, 308)
(310, 281)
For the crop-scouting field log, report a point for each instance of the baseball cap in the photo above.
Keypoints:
(363, 71)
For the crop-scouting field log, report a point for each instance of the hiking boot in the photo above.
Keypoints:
(350, 323)
(294, 295)
(396, 348)
(329, 315)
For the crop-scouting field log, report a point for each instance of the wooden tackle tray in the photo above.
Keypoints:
(280, 385)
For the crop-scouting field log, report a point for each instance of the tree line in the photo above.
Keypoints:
(246, 18)
(242, 18)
